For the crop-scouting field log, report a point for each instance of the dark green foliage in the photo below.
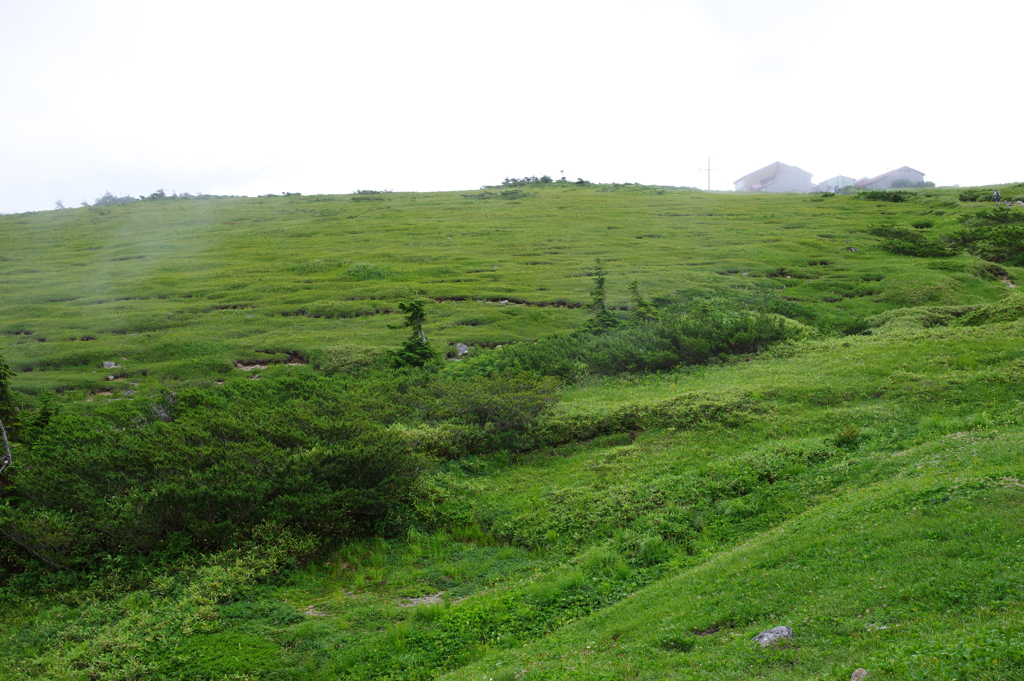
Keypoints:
(348, 359)
(365, 272)
(847, 438)
(673, 340)
(500, 406)
(302, 452)
(686, 411)
(416, 351)
(643, 310)
(879, 195)
(36, 421)
(602, 318)
(903, 241)
(996, 235)
(109, 199)
(924, 317)
(519, 182)
(7, 409)
(910, 184)
(327, 457)
(513, 194)
(1009, 309)
(982, 194)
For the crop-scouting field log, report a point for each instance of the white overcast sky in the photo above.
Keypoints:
(253, 97)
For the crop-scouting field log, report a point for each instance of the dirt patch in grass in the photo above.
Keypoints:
(429, 599)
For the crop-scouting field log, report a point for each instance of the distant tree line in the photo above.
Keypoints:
(904, 183)
(533, 179)
(110, 199)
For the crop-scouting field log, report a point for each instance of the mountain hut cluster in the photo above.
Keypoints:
(779, 177)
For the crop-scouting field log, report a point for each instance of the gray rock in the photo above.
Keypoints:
(852, 249)
(766, 638)
(859, 674)
(109, 365)
(110, 378)
(461, 349)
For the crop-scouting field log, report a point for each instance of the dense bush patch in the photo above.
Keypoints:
(996, 235)
(657, 345)
(902, 241)
(880, 195)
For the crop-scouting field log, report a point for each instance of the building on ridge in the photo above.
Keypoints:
(885, 180)
(776, 177)
(836, 183)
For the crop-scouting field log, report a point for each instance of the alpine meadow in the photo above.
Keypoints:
(538, 431)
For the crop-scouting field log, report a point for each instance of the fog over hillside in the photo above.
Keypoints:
(245, 98)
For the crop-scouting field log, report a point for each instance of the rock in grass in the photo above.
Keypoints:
(461, 349)
(109, 365)
(859, 674)
(766, 638)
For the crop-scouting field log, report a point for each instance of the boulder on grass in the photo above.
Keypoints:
(767, 638)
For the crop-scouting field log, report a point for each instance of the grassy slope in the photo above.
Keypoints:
(917, 528)
(845, 485)
(181, 289)
(911, 523)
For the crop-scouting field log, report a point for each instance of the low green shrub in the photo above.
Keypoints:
(329, 456)
(902, 241)
(603, 561)
(347, 359)
(880, 195)
(1009, 309)
(8, 410)
(923, 317)
(364, 272)
(655, 345)
(684, 411)
(996, 235)
(86, 486)
(975, 195)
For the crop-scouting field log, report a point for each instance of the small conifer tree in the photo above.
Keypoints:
(643, 311)
(416, 351)
(602, 318)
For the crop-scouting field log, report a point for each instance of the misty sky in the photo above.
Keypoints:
(252, 97)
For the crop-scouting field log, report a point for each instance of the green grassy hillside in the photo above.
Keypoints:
(182, 289)
(861, 480)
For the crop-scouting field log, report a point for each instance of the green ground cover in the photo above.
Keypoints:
(865, 489)
(182, 289)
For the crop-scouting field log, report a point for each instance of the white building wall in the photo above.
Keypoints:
(834, 183)
(901, 174)
(790, 181)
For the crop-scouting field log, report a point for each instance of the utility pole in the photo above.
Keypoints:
(708, 171)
